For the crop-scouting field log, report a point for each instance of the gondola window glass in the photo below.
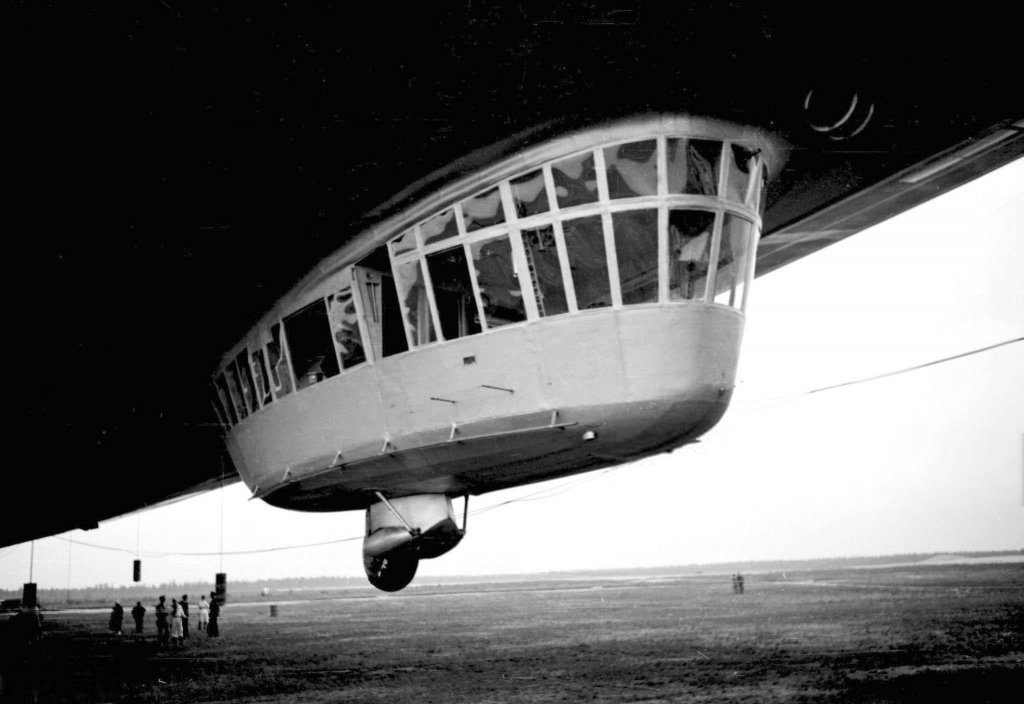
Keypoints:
(632, 169)
(245, 376)
(405, 242)
(584, 243)
(382, 314)
(499, 286)
(440, 227)
(259, 366)
(345, 327)
(636, 247)
(413, 293)
(693, 166)
(689, 253)
(742, 165)
(309, 342)
(529, 194)
(392, 329)
(545, 270)
(225, 398)
(235, 389)
(453, 293)
(279, 372)
(733, 260)
(575, 180)
(483, 211)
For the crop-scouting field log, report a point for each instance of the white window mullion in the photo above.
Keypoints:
(606, 223)
(266, 361)
(520, 265)
(286, 355)
(425, 273)
(330, 327)
(429, 284)
(508, 204)
(460, 220)
(601, 173)
(723, 183)
(521, 270)
(662, 166)
(663, 253)
(468, 253)
(364, 330)
(755, 179)
(613, 260)
(563, 262)
(716, 247)
(403, 295)
(482, 236)
(549, 187)
(560, 248)
(748, 275)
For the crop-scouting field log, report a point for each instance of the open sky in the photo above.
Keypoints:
(930, 460)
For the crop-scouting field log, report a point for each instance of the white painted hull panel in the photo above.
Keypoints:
(643, 379)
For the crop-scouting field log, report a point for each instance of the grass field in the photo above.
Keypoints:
(898, 634)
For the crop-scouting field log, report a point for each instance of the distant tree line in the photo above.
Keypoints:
(106, 594)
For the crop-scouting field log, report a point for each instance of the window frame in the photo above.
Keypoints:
(749, 207)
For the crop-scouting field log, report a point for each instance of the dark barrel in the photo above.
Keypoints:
(221, 590)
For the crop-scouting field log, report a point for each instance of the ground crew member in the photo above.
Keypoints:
(138, 612)
(163, 633)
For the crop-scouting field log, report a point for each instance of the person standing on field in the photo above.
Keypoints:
(204, 613)
(116, 617)
(163, 633)
(175, 620)
(138, 613)
(212, 629)
(184, 615)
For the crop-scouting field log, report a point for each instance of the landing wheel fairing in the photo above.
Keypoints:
(391, 573)
(402, 531)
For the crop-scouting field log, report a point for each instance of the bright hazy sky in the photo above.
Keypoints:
(927, 461)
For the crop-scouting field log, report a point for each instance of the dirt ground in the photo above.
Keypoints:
(900, 634)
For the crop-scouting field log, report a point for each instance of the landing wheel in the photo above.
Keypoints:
(391, 573)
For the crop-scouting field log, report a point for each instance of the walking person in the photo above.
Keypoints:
(739, 583)
(138, 613)
(163, 633)
(212, 629)
(184, 615)
(204, 613)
